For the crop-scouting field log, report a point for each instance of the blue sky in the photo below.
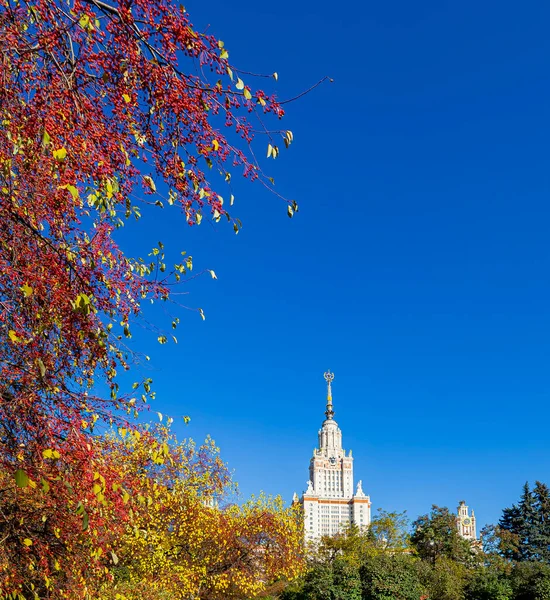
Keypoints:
(418, 267)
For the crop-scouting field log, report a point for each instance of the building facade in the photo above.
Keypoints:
(466, 522)
(329, 503)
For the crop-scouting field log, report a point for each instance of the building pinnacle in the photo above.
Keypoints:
(329, 378)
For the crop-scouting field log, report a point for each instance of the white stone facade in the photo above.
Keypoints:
(329, 503)
(466, 522)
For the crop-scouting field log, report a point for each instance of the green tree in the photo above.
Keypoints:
(530, 581)
(519, 525)
(445, 579)
(391, 577)
(388, 531)
(541, 533)
(318, 584)
(487, 583)
(436, 535)
(346, 580)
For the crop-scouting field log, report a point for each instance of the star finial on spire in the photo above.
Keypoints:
(329, 377)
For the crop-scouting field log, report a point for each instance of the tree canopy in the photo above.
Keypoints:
(108, 106)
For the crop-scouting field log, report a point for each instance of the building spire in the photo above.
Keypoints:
(328, 378)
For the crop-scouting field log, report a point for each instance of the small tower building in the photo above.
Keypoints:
(466, 522)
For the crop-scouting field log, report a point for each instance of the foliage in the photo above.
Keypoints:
(158, 530)
(488, 584)
(389, 531)
(91, 96)
(530, 581)
(108, 106)
(436, 535)
(445, 579)
(391, 577)
(524, 529)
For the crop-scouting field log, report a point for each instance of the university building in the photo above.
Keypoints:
(330, 503)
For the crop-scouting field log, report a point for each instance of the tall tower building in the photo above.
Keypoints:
(466, 522)
(329, 502)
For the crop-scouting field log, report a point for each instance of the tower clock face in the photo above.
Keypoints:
(466, 521)
(332, 460)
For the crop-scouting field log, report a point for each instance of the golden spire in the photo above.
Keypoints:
(329, 378)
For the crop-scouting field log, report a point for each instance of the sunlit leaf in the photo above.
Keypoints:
(21, 478)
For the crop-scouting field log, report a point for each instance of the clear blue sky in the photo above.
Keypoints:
(418, 267)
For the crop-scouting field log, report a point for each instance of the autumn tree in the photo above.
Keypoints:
(105, 107)
(160, 527)
(100, 101)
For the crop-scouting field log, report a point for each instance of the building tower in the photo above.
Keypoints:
(465, 522)
(329, 503)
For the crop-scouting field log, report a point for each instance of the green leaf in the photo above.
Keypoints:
(46, 138)
(85, 521)
(21, 478)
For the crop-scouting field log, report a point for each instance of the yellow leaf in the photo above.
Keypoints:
(213, 274)
(13, 336)
(60, 155)
(26, 289)
(126, 98)
(84, 21)
(47, 453)
(150, 183)
(27, 542)
(240, 84)
(247, 94)
(215, 144)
